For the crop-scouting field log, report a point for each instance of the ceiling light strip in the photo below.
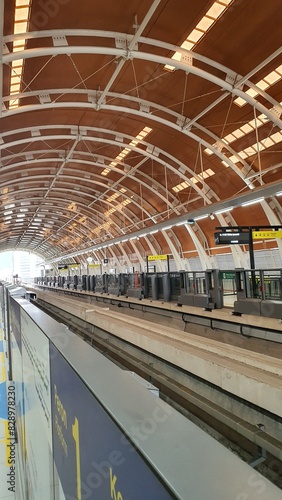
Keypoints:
(261, 146)
(208, 20)
(22, 9)
(264, 84)
(194, 180)
(120, 157)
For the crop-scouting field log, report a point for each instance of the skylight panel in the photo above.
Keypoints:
(139, 137)
(276, 137)
(216, 9)
(183, 185)
(14, 103)
(22, 8)
(263, 84)
(210, 172)
(18, 45)
(264, 144)
(237, 134)
(20, 27)
(21, 14)
(246, 128)
(240, 132)
(106, 171)
(194, 180)
(268, 142)
(195, 36)
(207, 21)
(272, 78)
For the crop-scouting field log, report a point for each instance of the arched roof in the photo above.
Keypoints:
(119, 118)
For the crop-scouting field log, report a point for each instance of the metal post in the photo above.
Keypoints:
(147, 263)
(8, 331)
(252, 263)
(167, 260)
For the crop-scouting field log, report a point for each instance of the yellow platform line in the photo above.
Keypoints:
(5, 441)
(2, 368)
(7, 435)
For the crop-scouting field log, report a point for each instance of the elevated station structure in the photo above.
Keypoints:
(132, 130)
(122, 121)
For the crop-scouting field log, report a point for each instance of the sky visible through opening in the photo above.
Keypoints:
(24, 264)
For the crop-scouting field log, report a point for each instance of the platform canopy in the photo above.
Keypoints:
(120, 118)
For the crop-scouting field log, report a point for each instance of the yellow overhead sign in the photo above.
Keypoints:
(93, 265)
(261, 235)
(157, 257)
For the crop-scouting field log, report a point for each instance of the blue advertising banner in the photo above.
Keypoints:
(94, 459)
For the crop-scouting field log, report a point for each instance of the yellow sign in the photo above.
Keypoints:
(91, 266)
(157, 257)
(71, 266)
(264, 235)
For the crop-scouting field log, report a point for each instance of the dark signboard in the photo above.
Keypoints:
(94, 458)
(229, 238)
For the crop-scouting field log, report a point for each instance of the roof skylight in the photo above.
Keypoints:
(185, 184)
(120, 157)
(263, 84)
(22, 8)
(260, 146)
(207, 21)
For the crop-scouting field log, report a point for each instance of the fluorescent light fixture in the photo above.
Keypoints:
(223, 210)
(181, 223)
(200, 217)
(154, 232)
(123, 241)
(133, 238)
(252, 202)
(279, 194)
(166, 228)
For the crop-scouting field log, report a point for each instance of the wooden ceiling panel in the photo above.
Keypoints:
(71, 132)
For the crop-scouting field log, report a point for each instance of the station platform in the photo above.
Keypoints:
(79, 406)
(253, 376)
(179, 316)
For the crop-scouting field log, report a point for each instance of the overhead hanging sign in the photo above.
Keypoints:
(92, 266)
(233, 238)
(266, 235)
(157, 257)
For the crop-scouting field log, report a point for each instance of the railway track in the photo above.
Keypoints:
(238, 424)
